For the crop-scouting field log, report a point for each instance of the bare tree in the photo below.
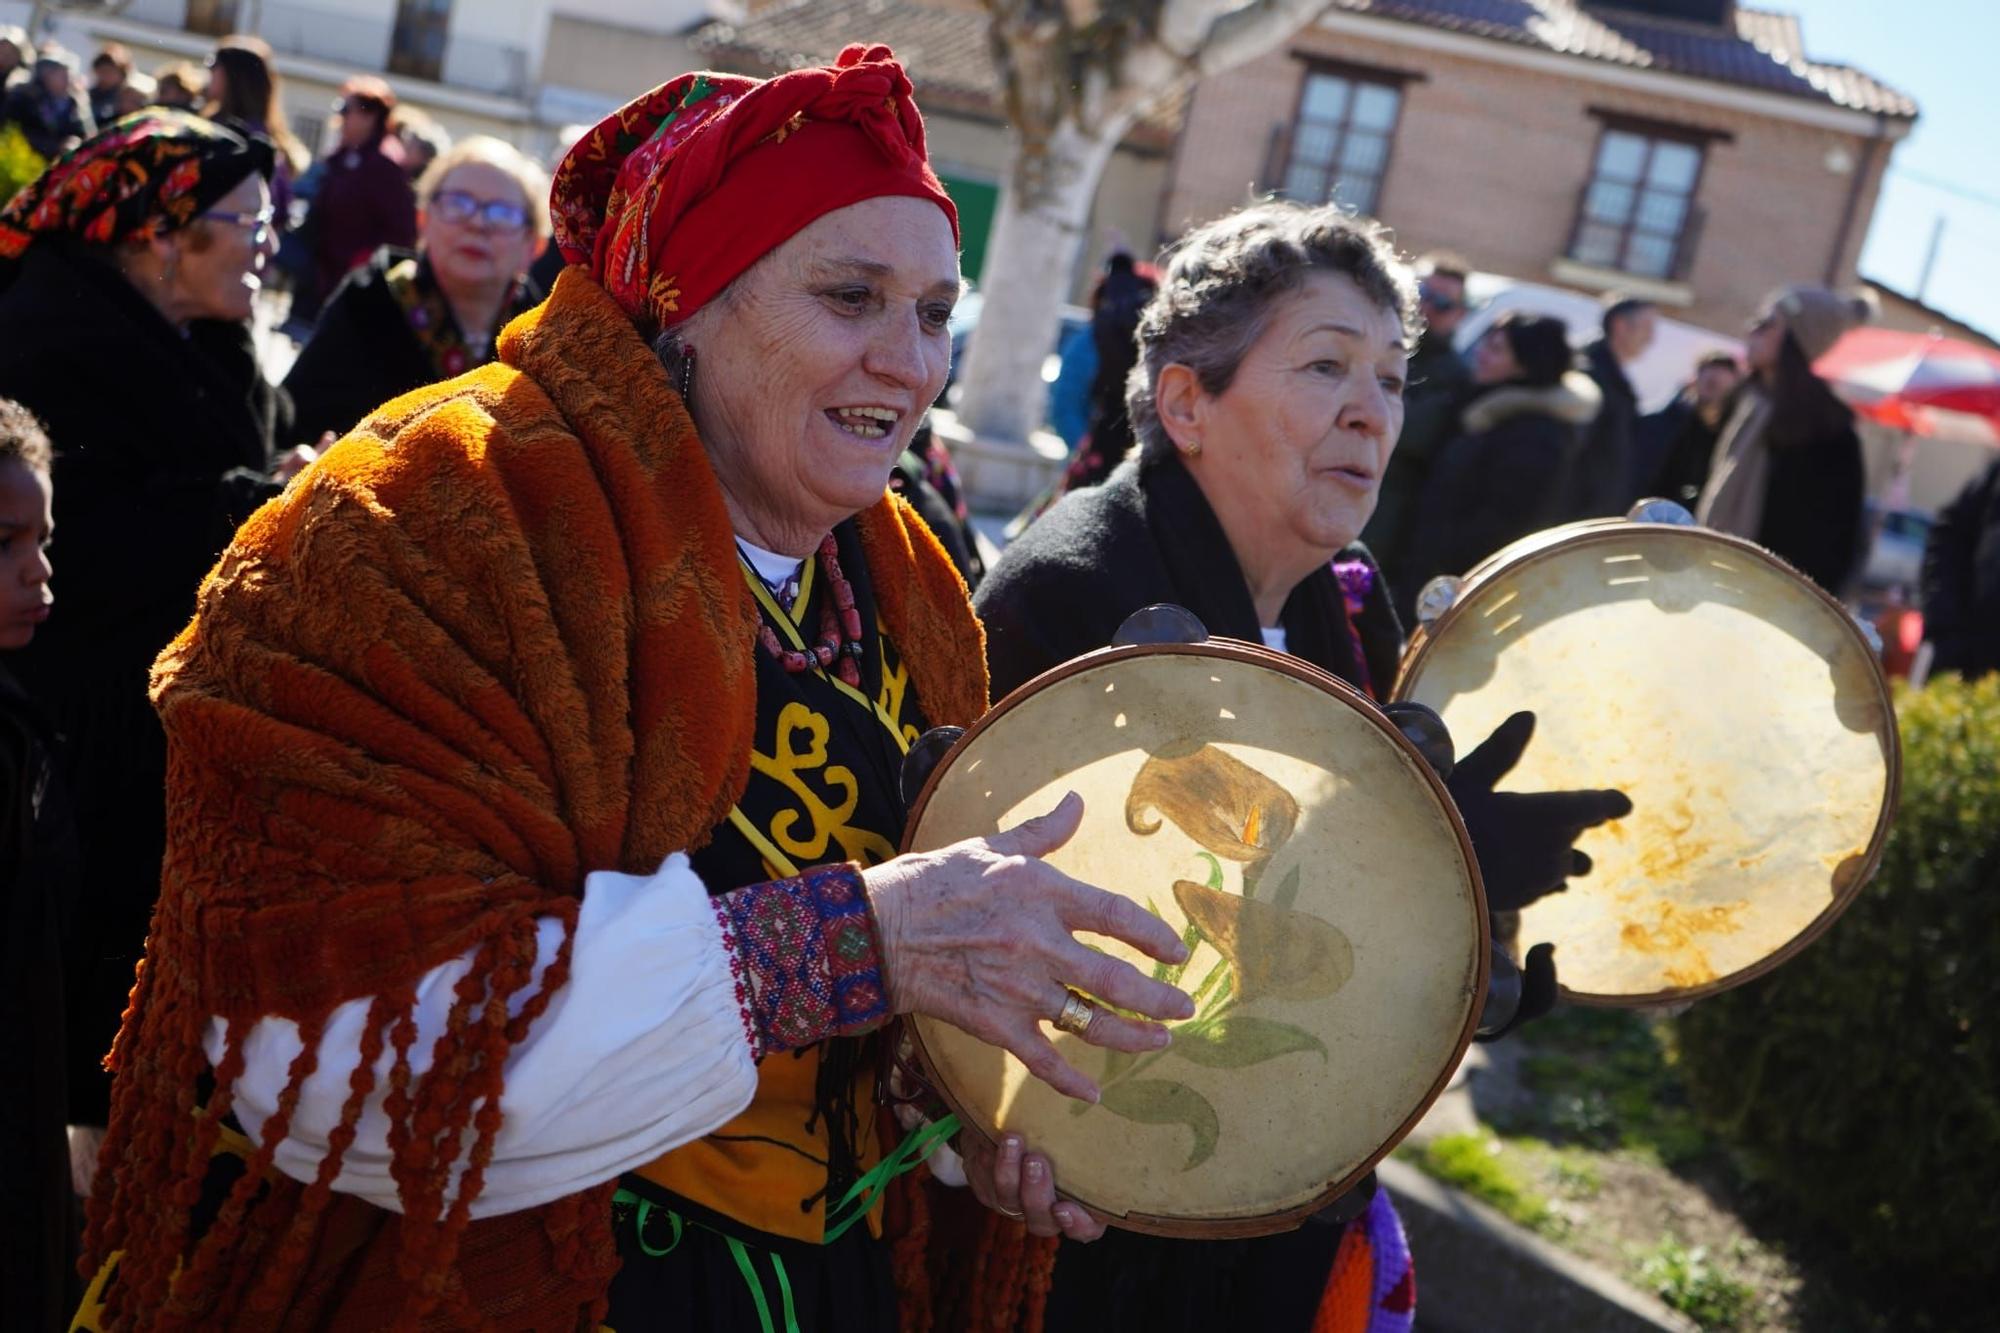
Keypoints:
(1076, 75)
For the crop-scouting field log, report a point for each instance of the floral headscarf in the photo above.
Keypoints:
(146, 175)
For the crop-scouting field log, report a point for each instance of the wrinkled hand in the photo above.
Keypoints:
(1524, 840)
(979, 934)
(1021, 1184)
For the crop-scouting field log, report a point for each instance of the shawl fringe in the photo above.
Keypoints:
(426, 691)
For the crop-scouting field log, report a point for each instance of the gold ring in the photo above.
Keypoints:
(1009, 1212)
(1076, 1015)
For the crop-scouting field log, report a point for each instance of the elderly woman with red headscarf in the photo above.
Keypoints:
(531, 900)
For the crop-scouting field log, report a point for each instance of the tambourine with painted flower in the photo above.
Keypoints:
(1324, 883)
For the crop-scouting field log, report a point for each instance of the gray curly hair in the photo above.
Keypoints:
(1223, 280)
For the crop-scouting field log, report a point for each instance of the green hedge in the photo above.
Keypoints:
(1860, 1082)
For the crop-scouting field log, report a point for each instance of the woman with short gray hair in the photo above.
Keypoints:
(1267, 398)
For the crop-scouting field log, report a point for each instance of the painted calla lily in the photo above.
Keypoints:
(1271, 950)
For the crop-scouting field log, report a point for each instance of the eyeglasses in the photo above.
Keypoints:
(1437, 300)
(258, 222)
(460, 207)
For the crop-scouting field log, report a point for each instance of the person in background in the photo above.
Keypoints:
(50, 112)
(123, 327)
(1069, 396)
(408, 318)
(1114, 321)
(1439, 379)
(1961, 580)
(17, 53)
(137, 94)
(1501, 478)
(246, 94)
(179, 86)
(423, 140)
(37, 865)
(1787, 471)
(364, 200)
(109, 70)
(1680, 437)
(1604, 475)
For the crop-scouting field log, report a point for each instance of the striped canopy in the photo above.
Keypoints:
(1924, 383)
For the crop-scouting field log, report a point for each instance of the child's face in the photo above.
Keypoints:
(25, 524)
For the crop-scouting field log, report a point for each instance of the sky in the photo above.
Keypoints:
(1946, 55)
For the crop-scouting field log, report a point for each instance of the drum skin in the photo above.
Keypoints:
(1339, 930)
(1737, 704)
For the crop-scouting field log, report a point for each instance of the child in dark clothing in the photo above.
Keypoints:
(36, 855)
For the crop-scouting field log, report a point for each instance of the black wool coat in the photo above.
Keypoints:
(1148, 535)
(1062, 589)
(1813, 507)
(1604, 477)
(1504, 477)
(1962, 579)
(363, 352)
(161, 440)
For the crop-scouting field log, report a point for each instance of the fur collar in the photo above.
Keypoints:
(1575, 401)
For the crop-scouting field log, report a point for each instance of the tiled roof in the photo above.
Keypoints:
(949, 56)
(1761, 52)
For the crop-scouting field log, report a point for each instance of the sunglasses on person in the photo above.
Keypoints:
(258, 222)
(1437, 300)
(460, 207)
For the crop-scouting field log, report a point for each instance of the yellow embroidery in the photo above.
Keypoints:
(665, 295)
(895, 693)
(800, 751)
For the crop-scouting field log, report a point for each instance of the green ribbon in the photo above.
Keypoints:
(859, 1200)
(627, 1199)
(868, 1190)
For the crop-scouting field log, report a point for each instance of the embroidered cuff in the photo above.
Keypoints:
(806, 959)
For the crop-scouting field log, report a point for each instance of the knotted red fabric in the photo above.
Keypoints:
(675, 195)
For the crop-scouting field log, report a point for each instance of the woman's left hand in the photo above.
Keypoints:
(1020, 1184)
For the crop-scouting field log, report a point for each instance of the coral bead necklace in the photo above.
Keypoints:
(839, 643)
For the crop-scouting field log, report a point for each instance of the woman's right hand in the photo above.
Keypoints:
(979, 934)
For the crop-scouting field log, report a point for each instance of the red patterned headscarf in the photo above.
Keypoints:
(671, 198)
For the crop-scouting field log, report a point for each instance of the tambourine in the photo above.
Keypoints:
(1324, 883)
(1741, 708)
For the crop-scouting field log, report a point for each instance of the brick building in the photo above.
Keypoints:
(1687, 150)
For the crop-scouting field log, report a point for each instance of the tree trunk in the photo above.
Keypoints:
(1076, 75)
(1037, 239)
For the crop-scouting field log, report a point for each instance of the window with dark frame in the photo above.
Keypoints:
(1636, 213)
(1339, 149)
(417, 46)
(211, 18)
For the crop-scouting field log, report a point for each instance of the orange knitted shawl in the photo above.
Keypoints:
(494, 640)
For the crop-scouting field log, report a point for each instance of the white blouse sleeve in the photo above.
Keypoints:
(643, 1049)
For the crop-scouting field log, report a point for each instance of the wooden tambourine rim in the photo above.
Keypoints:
(1560, 541)
(1262, 1224)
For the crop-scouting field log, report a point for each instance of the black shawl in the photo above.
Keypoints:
(1148, 535)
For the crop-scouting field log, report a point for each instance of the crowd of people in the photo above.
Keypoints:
(488, 975)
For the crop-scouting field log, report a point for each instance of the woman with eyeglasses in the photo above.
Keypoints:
(123, 327)
(410, 318)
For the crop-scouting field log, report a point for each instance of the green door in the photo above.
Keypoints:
(977, 202)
